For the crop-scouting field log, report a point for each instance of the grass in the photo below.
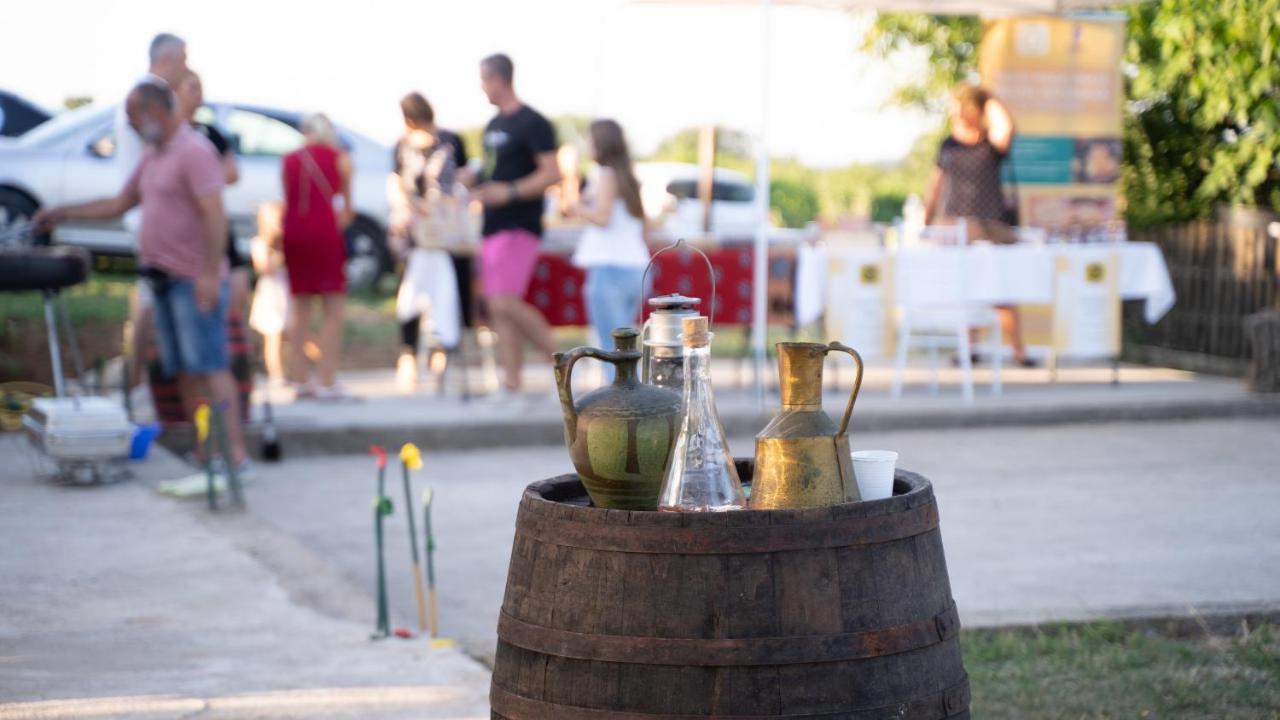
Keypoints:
(1101, 671)
(99, 307)
(102, 298)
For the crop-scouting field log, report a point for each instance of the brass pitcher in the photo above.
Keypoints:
(619, 436)
(802, 458)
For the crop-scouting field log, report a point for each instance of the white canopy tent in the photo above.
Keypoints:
(984, 8)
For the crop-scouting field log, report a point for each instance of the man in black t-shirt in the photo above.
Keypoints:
(519, 165)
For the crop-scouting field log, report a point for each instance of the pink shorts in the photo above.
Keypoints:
(507, 261)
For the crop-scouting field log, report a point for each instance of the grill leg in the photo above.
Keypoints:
(55, 352)
(77, 361)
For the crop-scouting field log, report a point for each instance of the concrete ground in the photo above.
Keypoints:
(1050, 523)
(118, 602)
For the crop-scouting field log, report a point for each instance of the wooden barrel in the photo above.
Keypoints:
(836, 612)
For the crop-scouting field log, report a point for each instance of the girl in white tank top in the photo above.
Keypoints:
(612, 248)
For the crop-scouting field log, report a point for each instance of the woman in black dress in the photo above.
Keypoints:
(965, 184)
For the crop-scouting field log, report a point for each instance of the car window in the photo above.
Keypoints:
(63, 124)
(252, 133)
(683, 189)
(733, 192)
(720, 190)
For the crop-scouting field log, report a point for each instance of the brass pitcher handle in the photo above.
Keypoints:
(857, 382)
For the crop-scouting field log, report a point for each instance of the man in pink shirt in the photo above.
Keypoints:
(181, 248)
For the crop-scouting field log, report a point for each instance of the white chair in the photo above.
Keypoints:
(933, 306)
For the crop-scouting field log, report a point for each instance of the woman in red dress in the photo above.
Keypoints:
(314, 250)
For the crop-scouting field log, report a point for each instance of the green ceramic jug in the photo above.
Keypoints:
(619, 436)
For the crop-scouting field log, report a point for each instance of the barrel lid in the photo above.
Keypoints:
(557, 511)
(674, 301)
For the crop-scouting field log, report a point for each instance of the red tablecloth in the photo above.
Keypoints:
(556, 288)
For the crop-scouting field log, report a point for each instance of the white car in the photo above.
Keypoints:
(671, 189)
(71, 158)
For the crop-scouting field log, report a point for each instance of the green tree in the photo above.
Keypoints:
(1203, 125)
(794, 204)
(951, 42)
(733, 148)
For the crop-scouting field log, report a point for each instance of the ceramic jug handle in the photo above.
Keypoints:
(572, 357)
(857, 383)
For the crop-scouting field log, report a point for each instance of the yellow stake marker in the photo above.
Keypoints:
(202, 423)
(410, 456)
(411, 459)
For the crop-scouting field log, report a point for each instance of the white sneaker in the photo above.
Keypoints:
(334, 393)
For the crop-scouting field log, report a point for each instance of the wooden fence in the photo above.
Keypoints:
(1222, 273)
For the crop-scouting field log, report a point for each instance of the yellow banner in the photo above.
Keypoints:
(1061, 79)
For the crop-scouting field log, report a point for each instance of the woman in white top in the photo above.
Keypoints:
(612, 248)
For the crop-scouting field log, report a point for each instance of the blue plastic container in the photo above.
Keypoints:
(143, 435)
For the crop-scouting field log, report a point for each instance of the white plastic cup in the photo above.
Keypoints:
(874, 472)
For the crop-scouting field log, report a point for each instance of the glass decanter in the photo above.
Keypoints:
(701, 476)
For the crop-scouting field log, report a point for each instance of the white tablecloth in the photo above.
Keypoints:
(1013, 274)
(1024, 274)
(860, 288)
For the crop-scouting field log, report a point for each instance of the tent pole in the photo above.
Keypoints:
(759, 308)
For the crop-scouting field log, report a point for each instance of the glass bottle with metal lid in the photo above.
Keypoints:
(662, 363)
(662, 354)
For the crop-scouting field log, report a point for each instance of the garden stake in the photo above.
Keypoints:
(224, 447)
(204, 441)
(430, 541)
(411, 459)
(381, 508)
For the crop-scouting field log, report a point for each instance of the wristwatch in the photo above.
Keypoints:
(513, 194)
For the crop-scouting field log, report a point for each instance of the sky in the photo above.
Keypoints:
(656, 68)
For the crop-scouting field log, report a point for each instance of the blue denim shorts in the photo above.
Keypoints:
(191, 341)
